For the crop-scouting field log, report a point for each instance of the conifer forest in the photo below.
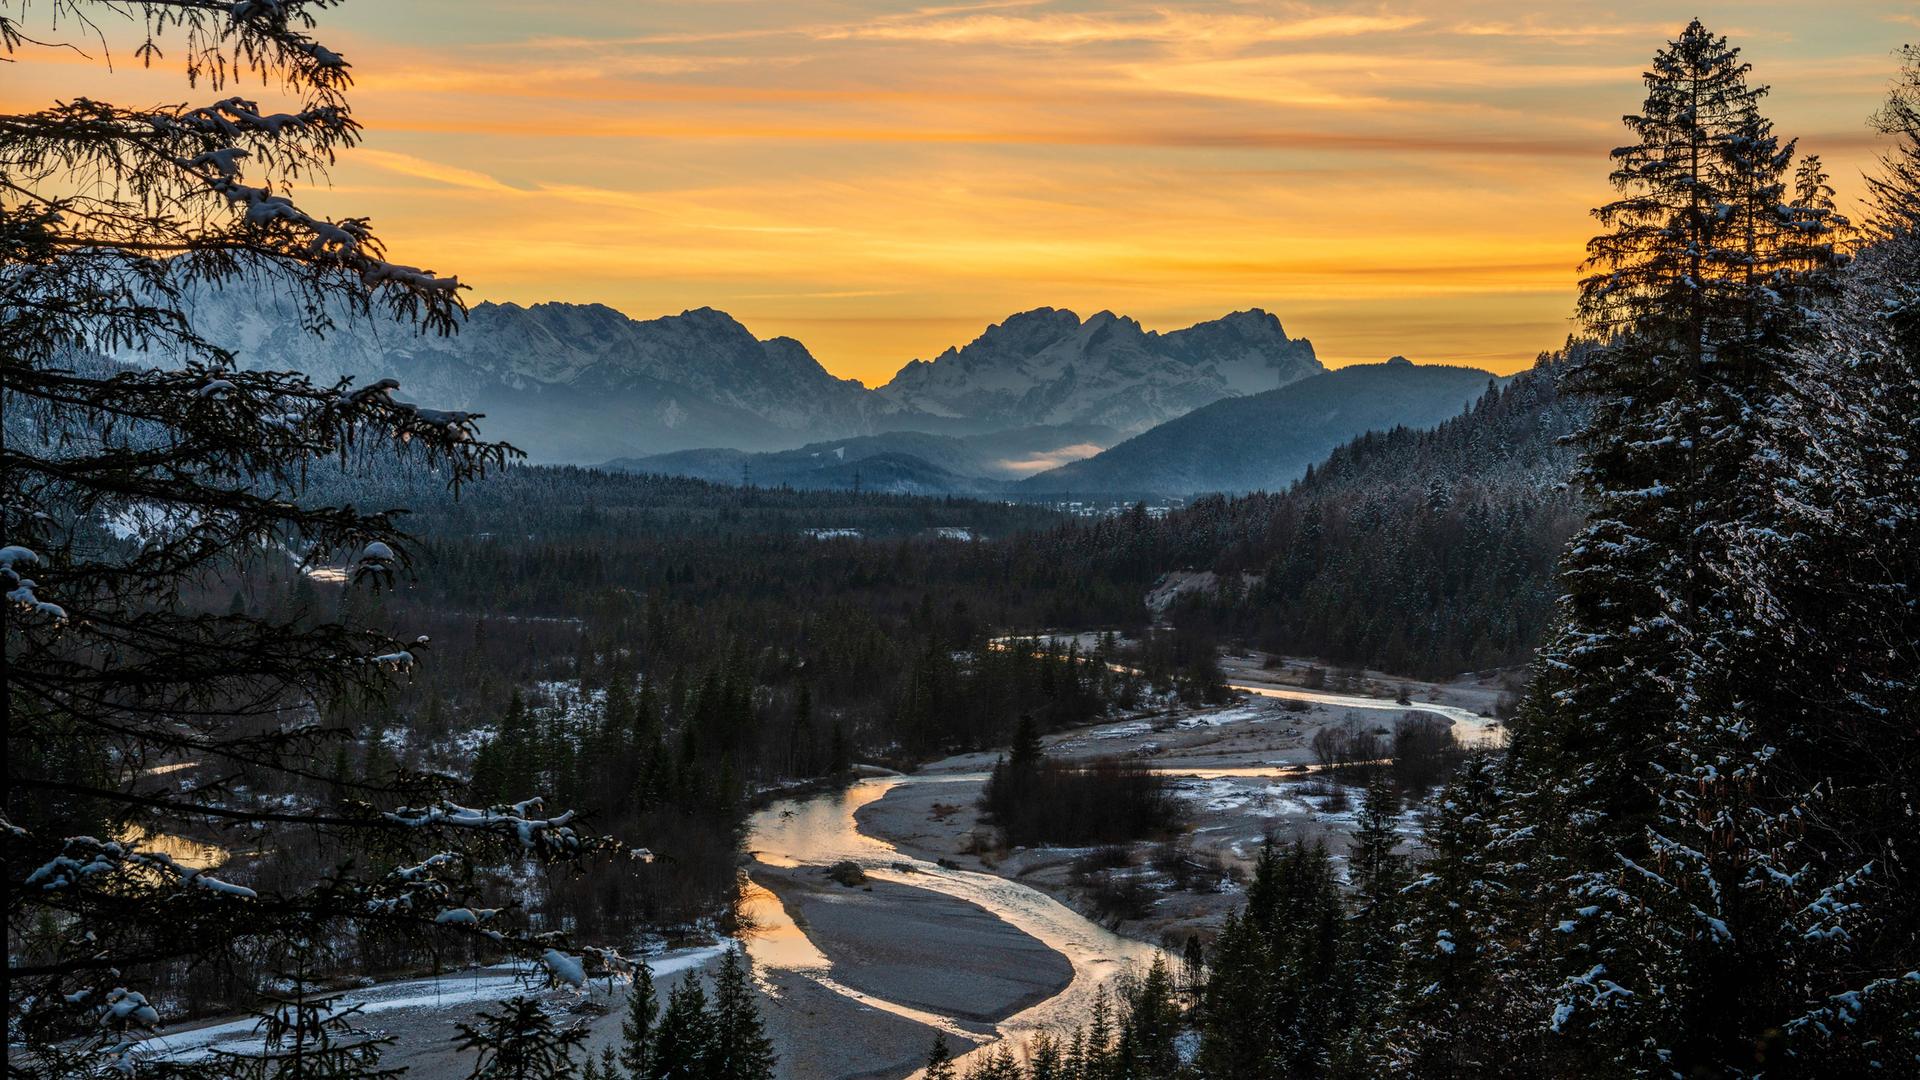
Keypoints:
(1560, 722)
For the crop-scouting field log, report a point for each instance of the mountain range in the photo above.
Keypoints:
(1254, 442)
(1043, 402)
(1046, 366)
(583, 383)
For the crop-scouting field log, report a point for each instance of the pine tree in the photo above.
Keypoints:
(1026, 754)
(940, 1059)
(1444, 1016)
(520, 1042)
(739, 1048)
(1153, 1022)
(1096, 1052)
(1828, 577)
(1045, 1059)
(994, 1063)
(682, 1047)
(637, 1027)
(1372, 946)
(115, 217)
(308, 1035)
(1651, 848)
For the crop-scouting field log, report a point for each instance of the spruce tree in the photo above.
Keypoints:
(739, 1048)
(1831, 578)
(308, 1035)
(1372, 946)
(1651, 814)
(683, 1045)
(637, 1027)
(1153, 1022)
(1444, 1016)
(1096, 1051)
(115, 219)
(1046, 1060)
(940, 1059)
(517, 1040)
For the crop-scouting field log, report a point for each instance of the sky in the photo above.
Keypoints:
(883, 180)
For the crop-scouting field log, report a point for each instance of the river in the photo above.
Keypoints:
(821, 830)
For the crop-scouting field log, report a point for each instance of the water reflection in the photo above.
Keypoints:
(821, 830)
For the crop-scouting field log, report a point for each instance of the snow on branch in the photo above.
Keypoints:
(19, 590)
(84, 857)
(551, 835)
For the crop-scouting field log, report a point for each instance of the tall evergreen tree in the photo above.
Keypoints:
(637, 1027)
(1446, 1018)
(1153, 1023)
(1372, 945)
(739, 1048)
(1652, 811)
(940, 1058)
(1830, 579)
(682, 1047)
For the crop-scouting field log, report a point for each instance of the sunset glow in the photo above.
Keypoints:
(881, 181)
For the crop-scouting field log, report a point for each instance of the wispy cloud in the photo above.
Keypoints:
(1170, 27)
(881, 177)
(409, 165)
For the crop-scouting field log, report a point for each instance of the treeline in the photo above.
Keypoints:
(1036, 800)
(1422, 552)
(1303, 980)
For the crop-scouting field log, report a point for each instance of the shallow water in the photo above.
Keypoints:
(820, 830)
(1469, 727)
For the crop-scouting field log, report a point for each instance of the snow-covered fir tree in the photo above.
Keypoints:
(126, 488)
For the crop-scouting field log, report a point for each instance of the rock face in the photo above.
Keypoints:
(1046, 366)
(585, 383)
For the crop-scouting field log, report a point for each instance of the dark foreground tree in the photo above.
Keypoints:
(940, 1058)
(1687, 863)
(740, 1049)
(309, 1035)
(145, 472)
(638, 1027)
(517, 1040)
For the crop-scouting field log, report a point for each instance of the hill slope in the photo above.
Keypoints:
(1265, 441)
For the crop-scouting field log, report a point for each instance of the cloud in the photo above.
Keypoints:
(1168, 27)
(409, 165)
(1050, 459)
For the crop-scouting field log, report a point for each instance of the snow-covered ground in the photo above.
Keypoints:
(407, 1008)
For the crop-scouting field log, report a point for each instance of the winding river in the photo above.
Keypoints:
(820, 830)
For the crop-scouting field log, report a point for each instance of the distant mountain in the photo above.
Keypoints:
(1046, 366)
(905, 462)
(1266, 441)
(585, 383)
(575, 382)
(1427, 551)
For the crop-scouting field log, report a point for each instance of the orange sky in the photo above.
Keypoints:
(881, 180)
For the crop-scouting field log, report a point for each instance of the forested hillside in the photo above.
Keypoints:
(1264, 441)
(1429, 552)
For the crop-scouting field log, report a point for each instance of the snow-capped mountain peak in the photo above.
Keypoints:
(1046, 366)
